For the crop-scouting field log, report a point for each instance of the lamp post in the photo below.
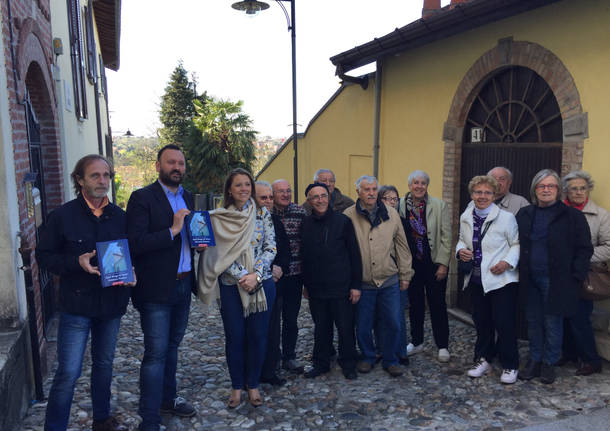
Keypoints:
(253, 7)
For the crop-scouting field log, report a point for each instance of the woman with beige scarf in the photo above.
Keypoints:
(238, 270)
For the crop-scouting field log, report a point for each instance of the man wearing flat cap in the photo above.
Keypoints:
(332, 277)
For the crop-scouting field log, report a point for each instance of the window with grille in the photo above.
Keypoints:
(77, 58)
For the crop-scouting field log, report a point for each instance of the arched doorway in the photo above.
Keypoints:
(514, 121)
(526, 107)
(44, 170)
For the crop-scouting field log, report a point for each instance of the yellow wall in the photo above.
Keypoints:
(339, 139)
(419, 85)
(418, 88)
(281, 167)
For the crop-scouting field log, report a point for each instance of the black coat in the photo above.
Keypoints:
(156, 255)
(331, 257)
(282, 257)
(570, 250)
(70, 231)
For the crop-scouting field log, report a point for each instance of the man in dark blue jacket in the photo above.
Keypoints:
(332, 269)
(67, 248)
(164, 265)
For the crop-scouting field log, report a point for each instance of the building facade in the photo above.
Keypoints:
(474, 85)
(45, 126)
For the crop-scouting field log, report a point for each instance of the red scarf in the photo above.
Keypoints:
(578, 207)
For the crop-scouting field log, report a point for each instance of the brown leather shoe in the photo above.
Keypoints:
(364, 367)
(588, 369)
(394, 370)
(108, 424)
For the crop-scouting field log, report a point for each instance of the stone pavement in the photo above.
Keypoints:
(429, 396)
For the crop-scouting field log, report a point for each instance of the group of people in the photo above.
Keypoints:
(538, 256)
(359, 264)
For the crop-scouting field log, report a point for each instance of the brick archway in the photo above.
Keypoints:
(510, 53)
(544, 63)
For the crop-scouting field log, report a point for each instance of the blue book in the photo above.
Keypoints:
(199, 229)
(114, 262)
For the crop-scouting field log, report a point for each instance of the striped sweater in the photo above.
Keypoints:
(292, 218)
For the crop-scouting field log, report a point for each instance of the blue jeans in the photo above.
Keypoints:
(72, 338)
(163, 326)
(387, 302)
(246, 337)
(545, 331)
(402, 342)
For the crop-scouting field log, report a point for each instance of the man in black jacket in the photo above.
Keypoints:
(163, 260)
(264, 197)
(332, 270)
(67, 248)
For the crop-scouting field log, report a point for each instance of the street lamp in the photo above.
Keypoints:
(253, 7)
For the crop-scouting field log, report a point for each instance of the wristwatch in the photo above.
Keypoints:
(259, 279)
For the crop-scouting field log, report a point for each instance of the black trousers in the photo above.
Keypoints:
(272, 357)
(578, 337)
(495, 312)
(424, 282)
(290, 288)
(325, 313)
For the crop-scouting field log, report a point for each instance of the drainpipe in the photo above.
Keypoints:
(376, 119)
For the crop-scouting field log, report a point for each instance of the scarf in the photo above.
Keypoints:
(578, 207)
(233, 232)
(417, 220)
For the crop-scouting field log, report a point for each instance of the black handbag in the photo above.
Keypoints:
(597, 284)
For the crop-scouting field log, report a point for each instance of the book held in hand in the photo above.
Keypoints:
(114, 262)
(199, 229)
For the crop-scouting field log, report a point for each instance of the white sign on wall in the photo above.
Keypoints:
(67, 96)
(476, 134)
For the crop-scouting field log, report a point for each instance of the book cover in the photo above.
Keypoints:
(199, 229)
(114, 262)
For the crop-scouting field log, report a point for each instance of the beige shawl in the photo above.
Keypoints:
(233, 232)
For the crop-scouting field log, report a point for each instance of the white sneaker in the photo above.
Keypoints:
(444, 355)
(412, 350)
(509, 377)
(480, 368)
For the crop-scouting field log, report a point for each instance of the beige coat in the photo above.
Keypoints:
(438, 226)
(599, 224)
(383, 248)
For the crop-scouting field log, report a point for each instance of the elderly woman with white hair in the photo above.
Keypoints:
(578, 340)
(489, 240)
(427, 225)
(555, 252)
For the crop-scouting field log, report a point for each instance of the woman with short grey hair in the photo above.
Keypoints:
(578, 340)
(426, 221)
(555, 253)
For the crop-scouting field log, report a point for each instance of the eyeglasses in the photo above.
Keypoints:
(321, 197)
(482, 193)
(265, 198)
(393, 200)
(578, 189)
(284, 192)
(546, 186)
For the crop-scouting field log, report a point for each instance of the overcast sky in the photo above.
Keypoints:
(241, 58)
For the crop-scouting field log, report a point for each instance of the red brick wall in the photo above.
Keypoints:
(28, 65)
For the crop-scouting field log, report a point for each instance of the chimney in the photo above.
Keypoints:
(430, 8)
(454, 3)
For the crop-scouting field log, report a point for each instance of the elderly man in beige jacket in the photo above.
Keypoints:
(386, 269)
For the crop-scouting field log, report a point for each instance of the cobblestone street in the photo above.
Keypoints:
(429, 395)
